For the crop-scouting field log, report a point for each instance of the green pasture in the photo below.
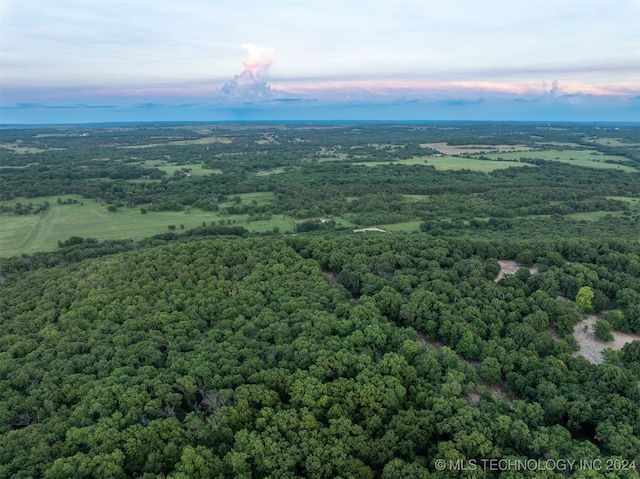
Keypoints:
(616, 142)
(586, 158)
(414, 198)
(634, 203)
(407, 226)
(450, 163)
(29, 234)
(195, 170)
(561, 144)
(324, 157)
(261, 198)
(274, 171)
(594, 215)
(32, 233)
(284, 224)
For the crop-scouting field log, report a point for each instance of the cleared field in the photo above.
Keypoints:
(586, 158)
(274, 171)
(200, 141)
(634, 203)
(542, 144)
(591, 347)
(21, 149)
(15, 232)
(593, 215)
(324, 157)
(416, 197)
(615, 142)
(195, 169)
(285, 224)
(261, 197)
(450, 163)
(408, 226)
(447, 149)
(92, 220)
(29, 234)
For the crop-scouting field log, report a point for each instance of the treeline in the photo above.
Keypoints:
(21, 209)
(77, 249)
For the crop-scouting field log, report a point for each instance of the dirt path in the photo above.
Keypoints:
(331, 277)
(474, 396)
(591, 347)
(509, 266)
(445, 148)
(44, 223)
(362, 230)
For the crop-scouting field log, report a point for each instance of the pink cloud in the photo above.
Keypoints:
(423, 89)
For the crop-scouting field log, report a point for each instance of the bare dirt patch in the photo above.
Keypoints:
(447, 149)
(591, 347)
(496, 391)
(331, 277)
(423, 341)
(21, 149)
(509, 266)
(474, 396)
(362, 230)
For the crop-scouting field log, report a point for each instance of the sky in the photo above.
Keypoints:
(79, 61)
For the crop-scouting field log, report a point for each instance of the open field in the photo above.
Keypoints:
(324, 157)
(593, 215)
(32, 233)
(586, 158)
(408, 226)
(21, 149)
(195, 169)
(28, 234)
(447, 149)
(450, 163)
(633, 202)
(283, 223)
(200, 141)
(416, 197)
(561, 144)
(614, 142)
(274, 171)
(261, 197)
(591, 347)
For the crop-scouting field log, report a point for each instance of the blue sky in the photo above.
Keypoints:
(68, 61)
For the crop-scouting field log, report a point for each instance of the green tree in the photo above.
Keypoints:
(602, 330)
(492, 268)
(526, 257)
(584, 299)
(490, 370)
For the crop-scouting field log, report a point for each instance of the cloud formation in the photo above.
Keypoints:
(250, 85)
(556, 90)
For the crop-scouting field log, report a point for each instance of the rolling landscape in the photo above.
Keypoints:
(319, 300)
(319, 239)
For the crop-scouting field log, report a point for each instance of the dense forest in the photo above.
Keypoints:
(217, 351)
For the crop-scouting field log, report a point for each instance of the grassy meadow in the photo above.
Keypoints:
(585, 158)
(88, 219)
(451, 163)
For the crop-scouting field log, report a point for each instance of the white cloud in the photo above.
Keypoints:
(112, 43)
